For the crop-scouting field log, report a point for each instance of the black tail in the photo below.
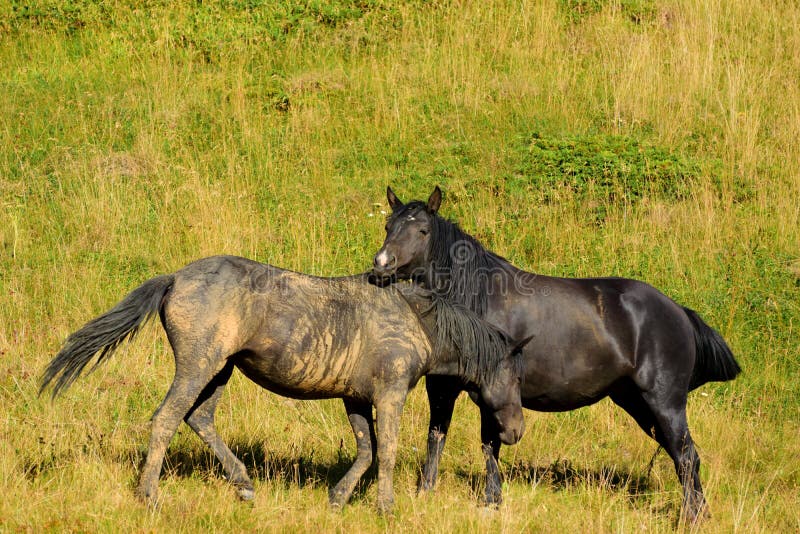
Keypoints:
(715, 361)
(105, 333)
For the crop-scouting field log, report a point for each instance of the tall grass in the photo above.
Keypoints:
(137, 138)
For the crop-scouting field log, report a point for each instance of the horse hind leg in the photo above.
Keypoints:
(360, 416)
(201, 419)
(677, 441)
(193, 371)
(667, 424)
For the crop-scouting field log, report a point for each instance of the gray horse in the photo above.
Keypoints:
(303, 337)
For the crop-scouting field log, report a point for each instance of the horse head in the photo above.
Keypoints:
(408, 232)
(500, 392)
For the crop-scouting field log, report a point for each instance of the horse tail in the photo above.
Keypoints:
(714, 361)
(105, 333)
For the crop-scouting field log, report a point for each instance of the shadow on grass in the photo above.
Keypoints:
(187, 460)
(562, 475)
(300, 470)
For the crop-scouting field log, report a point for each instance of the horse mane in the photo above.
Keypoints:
(478, 346)
(462, 267)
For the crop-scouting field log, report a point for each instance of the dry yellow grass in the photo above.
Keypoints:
(128, 152)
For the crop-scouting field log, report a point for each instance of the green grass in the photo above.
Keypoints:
(655, 140)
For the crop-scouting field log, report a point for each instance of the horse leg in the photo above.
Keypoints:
(668, 426)
(201, 419)
(442, 394)
(189, 381)
(360, 416)
(632, 402)
(677, 441)
(490, 444)
(389, 408)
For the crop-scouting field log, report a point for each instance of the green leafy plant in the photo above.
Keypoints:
(636, 11)
(602, 167)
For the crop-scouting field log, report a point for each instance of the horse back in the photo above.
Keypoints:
(295, 334)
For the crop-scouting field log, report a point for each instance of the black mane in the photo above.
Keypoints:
(461, 268)
(479, 347)
(458, 334)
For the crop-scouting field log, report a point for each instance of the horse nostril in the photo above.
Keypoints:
(383, 261)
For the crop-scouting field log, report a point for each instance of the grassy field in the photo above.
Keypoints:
(652, 140)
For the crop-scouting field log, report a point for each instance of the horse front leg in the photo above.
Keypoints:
(389, 409)
(442, 394)
(360, 416)
(490, 444)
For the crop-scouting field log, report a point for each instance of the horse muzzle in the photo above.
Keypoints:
(511, 426)
(384, 264)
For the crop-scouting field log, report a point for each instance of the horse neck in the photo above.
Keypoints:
(468, 283)
(446, 366)
(444, 359)
(419, 299)
(465, 345)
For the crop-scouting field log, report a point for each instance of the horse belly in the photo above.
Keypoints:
(296, 377)
(559, 401)
(561, 381)
(307, 365)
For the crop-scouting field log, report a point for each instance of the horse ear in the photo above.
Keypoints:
(394, 202)
(519, 345)
(435, 200)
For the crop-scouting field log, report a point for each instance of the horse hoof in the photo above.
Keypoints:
(424, 487)
(247, 494)
(149, 499)
(385, 509)
(491, 506)
(493, 500)
(336, 500)
(695, 517)
(488, 511)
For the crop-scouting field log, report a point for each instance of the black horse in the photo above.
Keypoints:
(593, 337)
(303, 337)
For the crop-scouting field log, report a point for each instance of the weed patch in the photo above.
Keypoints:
(636, 11)
(209, 29)
(607, 169)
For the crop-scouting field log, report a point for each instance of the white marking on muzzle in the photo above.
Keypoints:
(382, 259)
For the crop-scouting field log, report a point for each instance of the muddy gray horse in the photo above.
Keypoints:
(303, 337)
(593, 338)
